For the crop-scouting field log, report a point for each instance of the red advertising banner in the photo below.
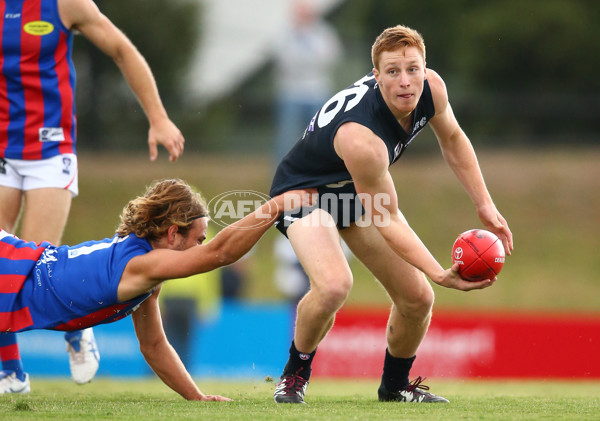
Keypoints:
(468, 344)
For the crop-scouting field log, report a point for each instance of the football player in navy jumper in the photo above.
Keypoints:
(345, 153)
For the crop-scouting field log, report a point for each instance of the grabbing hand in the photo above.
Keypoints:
(296, 199)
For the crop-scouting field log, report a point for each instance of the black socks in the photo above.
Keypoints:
(299, 363)
(395, 372)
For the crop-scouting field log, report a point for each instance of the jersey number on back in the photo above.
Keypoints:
(358, 90)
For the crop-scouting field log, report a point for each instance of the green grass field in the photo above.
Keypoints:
(327, 400)
(550, 199)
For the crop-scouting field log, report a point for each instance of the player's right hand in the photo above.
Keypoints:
(216, 398)
(168, 135)
(451, 279)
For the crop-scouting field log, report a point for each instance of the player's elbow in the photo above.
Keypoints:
(222, 253)
(219, 258)
(224, 258)
(150, 351)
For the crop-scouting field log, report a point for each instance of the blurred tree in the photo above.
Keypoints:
(166, 33)
(534, 67)
(534, 45)
(517, 71)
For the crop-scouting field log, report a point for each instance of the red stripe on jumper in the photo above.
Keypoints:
(91, 319)
(10, 284)
(11, 252)
(66, 93)
(3, 94)
(32, 85)
(13, 321)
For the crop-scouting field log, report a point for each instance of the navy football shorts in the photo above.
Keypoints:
(341, 202)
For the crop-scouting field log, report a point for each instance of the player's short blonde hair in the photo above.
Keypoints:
(396, 37)
(165, 203)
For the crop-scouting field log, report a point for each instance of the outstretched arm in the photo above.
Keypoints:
(366, 158)
(161, 356)
(460, 156)
(85, 17)
(146, 271)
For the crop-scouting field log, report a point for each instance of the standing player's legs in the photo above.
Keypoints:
(45, 214)
(13, 378)
(412, 302)
(48, 187)
(316, 241)
(44, 219)
(412, 296)
(10, 204)
(318, 248)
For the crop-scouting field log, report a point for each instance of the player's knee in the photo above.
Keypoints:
(419, 304)
(334, 292)
(422, 304)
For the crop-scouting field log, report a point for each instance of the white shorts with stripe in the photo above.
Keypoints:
(57, 172)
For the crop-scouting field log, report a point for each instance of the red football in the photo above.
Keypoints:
(479, 253)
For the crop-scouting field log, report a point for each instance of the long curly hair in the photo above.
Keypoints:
(165, 203)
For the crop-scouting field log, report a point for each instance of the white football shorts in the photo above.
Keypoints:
(57, 172)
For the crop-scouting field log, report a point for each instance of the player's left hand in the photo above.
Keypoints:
(495, 222)
(296, 199)
(168, 135)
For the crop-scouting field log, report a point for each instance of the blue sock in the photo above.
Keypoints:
(74, 339)
(10, 356)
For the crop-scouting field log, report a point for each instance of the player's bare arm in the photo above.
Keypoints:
(460, 156)
(366, 158)
(144, 272)
(85, 17)
(160, 355)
